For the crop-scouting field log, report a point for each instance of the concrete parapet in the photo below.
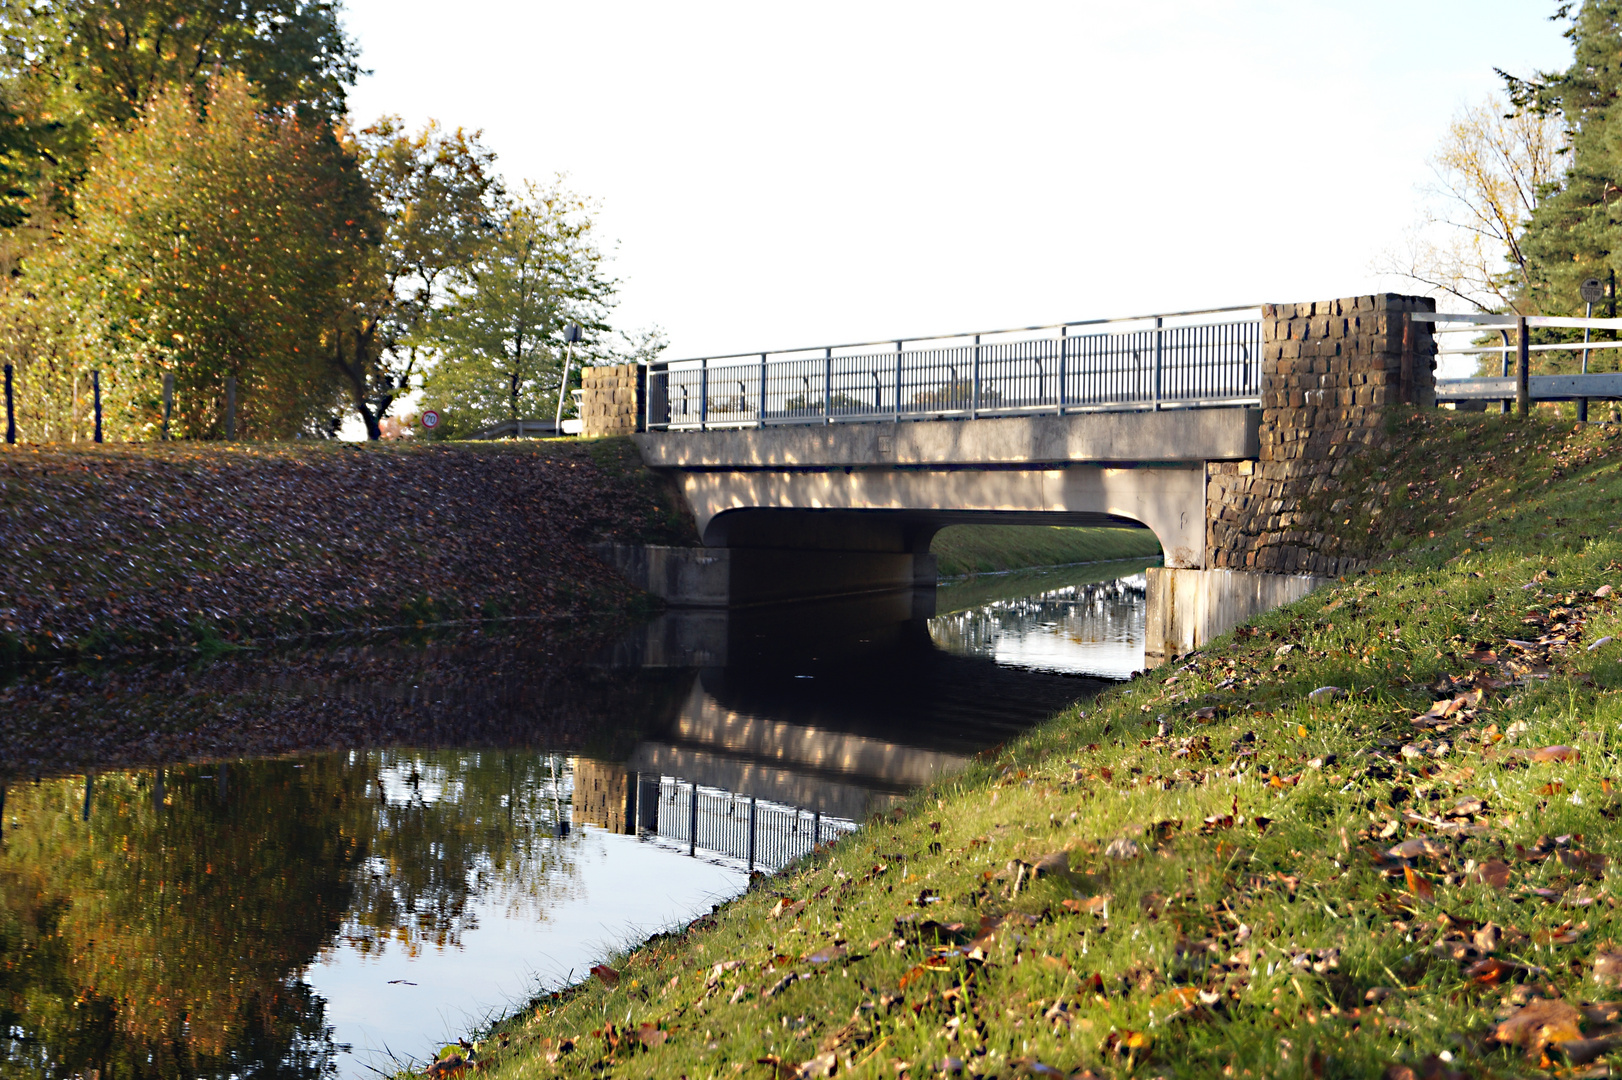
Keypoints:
(1188, 608)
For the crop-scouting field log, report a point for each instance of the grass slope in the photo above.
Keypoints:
(979, 549)
(1371, 834)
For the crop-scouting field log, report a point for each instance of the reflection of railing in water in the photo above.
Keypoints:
(758, 833)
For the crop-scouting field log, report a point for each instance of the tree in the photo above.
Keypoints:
(1575, 232)
(438, 198)
(213, 247)
(115, 56)
(1489, 172)
(499, 339)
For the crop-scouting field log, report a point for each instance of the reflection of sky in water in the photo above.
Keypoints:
(538, 921)
(1094, 628)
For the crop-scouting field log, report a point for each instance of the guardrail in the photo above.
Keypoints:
(753, 831)
(1062, 368)
(1517, 384)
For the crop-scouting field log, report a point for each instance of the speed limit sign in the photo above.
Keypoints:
(430, 419)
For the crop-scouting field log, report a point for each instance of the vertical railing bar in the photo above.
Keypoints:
(974, 388)
(760, 417)
(898, 382)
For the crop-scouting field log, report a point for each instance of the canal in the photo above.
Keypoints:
(447, 829)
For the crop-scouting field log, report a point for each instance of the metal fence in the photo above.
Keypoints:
(1139, 363)
(758, 833)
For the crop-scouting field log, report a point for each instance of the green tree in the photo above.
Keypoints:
(438, 198)
(213, 247)
(499, 339)
(1575, 232)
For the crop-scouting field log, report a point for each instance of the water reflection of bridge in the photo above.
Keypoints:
(760, 833)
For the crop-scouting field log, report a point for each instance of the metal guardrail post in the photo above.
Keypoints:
(95, 392)
(1504, 406)
(760, 417)
(898, 382)
(11, 411)
(828, 385)
(703, 401)
(1523, 369)
(1159, 336)
(974, 389)
(816, 828)
(1582, 403)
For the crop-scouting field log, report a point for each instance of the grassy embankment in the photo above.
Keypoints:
(180, 546)
(1374, 833)
(979, 549)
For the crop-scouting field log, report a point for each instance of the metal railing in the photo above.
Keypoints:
(1137, 363)
(1516, 381)
(754, 831)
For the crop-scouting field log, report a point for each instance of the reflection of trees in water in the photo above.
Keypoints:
(1108, 611)
(165, 937)
(452, 827)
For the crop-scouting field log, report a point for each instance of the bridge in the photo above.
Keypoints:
(816, 472)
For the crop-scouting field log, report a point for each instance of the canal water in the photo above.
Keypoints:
(339, 912)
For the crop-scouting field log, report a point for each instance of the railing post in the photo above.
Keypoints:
(703, 400)
(1064, 355)
(816, 828)
(898, 381)
(692, 823)
(1523, 369)
(974, 388)
(168, 401)
(95, 397)
(11, 411)
(1159, 336)
(828, 385)
(751, 832)
(760, 417)
(1504, 406)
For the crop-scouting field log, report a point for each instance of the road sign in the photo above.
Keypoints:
(430, 419)
(1592, 290)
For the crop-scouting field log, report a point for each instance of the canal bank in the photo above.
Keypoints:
(197, 547)
(1274, 857)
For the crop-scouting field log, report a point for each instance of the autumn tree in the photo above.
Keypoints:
(210, 247)
(1489, 171)
(499, 340)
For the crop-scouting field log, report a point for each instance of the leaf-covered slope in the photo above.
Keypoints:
(117, 547)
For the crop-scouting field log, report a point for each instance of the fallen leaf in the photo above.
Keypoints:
(1555, 753)
(1418, 886)
(1608, 968)
(823, 1064)
(1122, 848)
(1494, 872)
(826, 954)
(650, 1035)
(1326, 692)
(1601, 643)
(786, 908)
(606, 975)
(1415, 846)
(1539, 1023)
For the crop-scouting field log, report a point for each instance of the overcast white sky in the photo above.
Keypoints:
(778, 175)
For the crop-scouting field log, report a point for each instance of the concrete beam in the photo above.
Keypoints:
(1175, 435)
(1168, 499)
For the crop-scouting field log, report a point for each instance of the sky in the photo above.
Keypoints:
(788, 175)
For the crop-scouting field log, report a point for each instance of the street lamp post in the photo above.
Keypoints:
(571, 334)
